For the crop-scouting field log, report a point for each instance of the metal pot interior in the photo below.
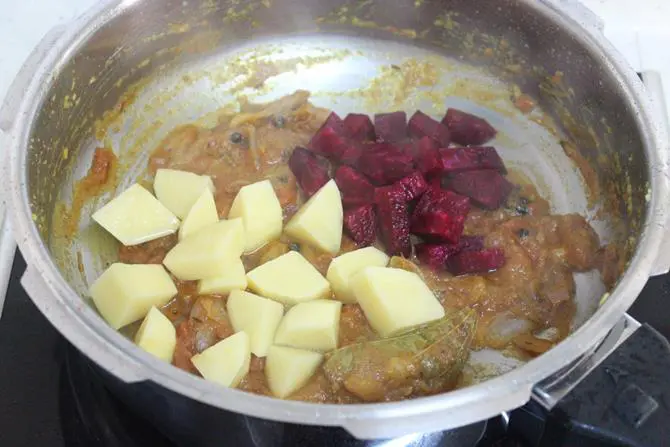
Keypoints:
(152, 65)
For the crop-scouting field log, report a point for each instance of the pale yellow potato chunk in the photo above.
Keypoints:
(394, 299)
(202, 214)
(208, 252)
(179, 190)
(319, 222)
(343, 267)
(260, 210)
(227, 362)
(313, 325)
(231, 277)
(124, 293)
(157, 335)
(289, 369)
(257, 316)
(289, 279)
(135, 216)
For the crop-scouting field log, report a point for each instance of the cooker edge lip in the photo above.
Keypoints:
(108, 341)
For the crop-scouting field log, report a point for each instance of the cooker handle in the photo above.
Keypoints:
(622, 400)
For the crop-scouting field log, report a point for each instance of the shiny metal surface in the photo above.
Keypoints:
(149, 46)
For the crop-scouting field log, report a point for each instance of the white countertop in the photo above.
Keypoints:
(637, 28)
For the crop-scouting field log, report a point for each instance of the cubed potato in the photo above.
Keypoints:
(227, 362)
(289, 279)
(157, 335)
(343, 267)
(135, 216)
(208, 252)
(257, 316)
(260, 210)
(124, 293)
(202, 214)
(319, 221)
(179, 190)
(231, 277)
(289, 369)
(313, 325)
(394, 299)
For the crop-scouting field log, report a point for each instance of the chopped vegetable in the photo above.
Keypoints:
(227, 362)
(258, 317)
(359, 127)
(394, 299)
(476, 262)
(157, 335)
(289, 279)
(440, 215)
(202, 214)
(288, 369)
(393, 218)
(205, 253)
(178, 190)
(384, 163)
(471, 159)
(413, 186)
(135, 216)
(319, 221)
(313, 325)
(391, 127)
(231, 277)
(422, 125)
(259, 208)
(487, 188)
(427, 158)
(355, 188)
(361, 224)
(309, 169)
(467, 129)
(345, 266)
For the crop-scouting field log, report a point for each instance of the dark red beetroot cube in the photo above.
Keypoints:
(471, 159)
(359, 127)
(393, 219)
(310, 170)
(422, 125)
(436, 255)
(414, 185)
(476, 261)
(361, 224)
(467, 129)
(354, 187)
(391, 127)
(487, 188)
(332, 142)
(384, 163)
(440, 215)
(427, 157)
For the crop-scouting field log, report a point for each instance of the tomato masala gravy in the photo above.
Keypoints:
(525, 307)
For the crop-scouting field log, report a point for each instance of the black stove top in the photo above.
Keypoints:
(50, 394)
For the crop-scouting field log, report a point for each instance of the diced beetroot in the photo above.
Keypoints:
(335, 122)
(476, 261)
(354, 187)
(436, 255)
(393, 219)
(384, 163)
(359, 127)
(471, 159)
(422, 125)
(332, 142)
(440, 215)
(391, 127)
(427, 158)
(310, 170)
(471, 243)
(414, 185)
(468, 129)
(360, 223)
(487, 188)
